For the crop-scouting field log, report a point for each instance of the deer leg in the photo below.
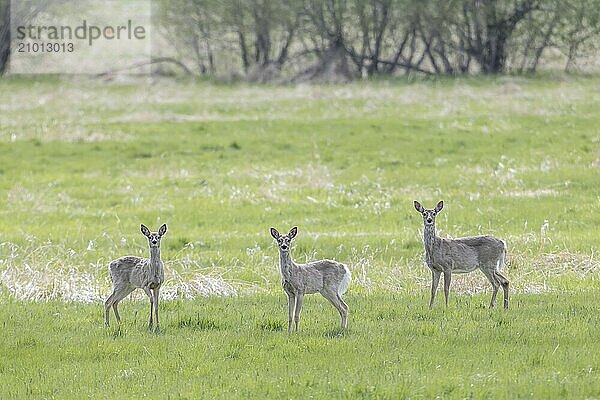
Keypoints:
(447, 279)
(494, 293)
(107, 304)
(156, 292)
(489, 274)
(435, 280)
(346, 309)
(339, 304)
(343, 309)
(299, 300)
(119, 294)
(291, 310)
(116, 311)
(149, 294)
(505, 284)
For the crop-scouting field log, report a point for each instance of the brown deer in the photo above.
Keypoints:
(462, 255)
(330, 278)
(130, 272)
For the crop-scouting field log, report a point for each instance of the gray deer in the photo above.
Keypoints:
(330, 278)
(130, 272)
(462, 255)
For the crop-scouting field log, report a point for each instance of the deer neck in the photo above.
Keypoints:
(429, 241)
(286, 264)
(155, 263)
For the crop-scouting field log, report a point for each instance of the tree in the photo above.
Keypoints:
(579, 26)
(21, 13)
(338, 40)
(4, 35)
(326, 20)
(486, 26)
(535, 34)
(190, 27)
(257, 33)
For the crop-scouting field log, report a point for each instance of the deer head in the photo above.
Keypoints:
(284, 241)
(154, 237)
(429, 215)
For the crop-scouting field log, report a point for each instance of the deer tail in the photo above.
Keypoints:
(345, 281)
(502, 258)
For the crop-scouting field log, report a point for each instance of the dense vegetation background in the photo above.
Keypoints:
(339, 40)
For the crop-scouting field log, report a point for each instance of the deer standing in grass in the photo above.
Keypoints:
(330, 278)
(462, 255)
(130, 272)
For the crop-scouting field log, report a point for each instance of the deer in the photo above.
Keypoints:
(129, 273)
(328, 277)
(462, 255)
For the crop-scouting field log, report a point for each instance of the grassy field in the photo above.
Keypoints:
(84, 162)
(221, 348)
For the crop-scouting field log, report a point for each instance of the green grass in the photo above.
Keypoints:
(85, 162)
(544, 347)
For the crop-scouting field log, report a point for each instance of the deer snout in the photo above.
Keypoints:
(429, 220)
(284, 247)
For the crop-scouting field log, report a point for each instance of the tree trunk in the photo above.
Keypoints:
(489, 29)
(4, 36)
(197, 54)
(493, 56)
(283, 54)
(571, 57)
(211, 58)
(545, 43)
(244, 51)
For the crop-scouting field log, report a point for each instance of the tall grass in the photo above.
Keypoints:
(85, 162)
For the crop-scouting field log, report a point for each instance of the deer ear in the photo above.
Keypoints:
(439, 206)
(274, 233)
(163, 229)
(145, 230)
(293, 232)
(418, 207)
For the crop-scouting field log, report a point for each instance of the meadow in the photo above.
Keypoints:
(85, 161)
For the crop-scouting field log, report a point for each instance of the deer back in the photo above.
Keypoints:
(333, 273)
(488, 248)
(304, 278)
(130, 271)
(468, 253)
